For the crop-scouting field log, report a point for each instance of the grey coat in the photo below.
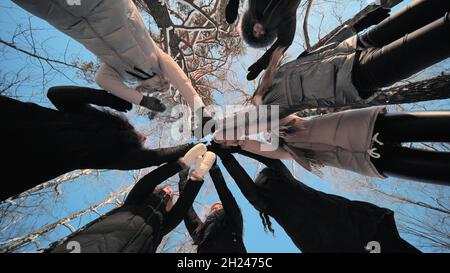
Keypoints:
(320, 79)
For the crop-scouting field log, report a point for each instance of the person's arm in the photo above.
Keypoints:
(286, 34)
(143, 158)
(146, 185)
(253, 119)
(176, 76)
(269, 162)
(243, 180)
(191, 219)
(255, 147)
(78, 99)
(112, 82)
(229, 204)
(184, 202)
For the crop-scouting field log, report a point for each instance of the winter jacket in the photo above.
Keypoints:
(342, 140)
(139, 225)
(320, 79)
(115, 32)
(222, 230)
(316, 221)
(49, 143)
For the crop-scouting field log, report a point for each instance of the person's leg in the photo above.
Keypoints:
(382, 67)
(433, 126)
(423, 166)
(395, 128)
(407, 20)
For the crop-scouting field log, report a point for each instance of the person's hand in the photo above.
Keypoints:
(116, 103)
(254, 71)
(153, 104)
(373, 18)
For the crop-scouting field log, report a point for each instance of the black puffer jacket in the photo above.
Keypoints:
(140, 224)
(316, 221)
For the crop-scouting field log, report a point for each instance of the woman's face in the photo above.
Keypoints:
(258, 30)
(215, 207)
(168, 191)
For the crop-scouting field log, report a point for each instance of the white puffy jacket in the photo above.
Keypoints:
(115, 32)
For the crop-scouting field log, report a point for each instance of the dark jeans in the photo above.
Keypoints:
(426, 166)
(403, 44)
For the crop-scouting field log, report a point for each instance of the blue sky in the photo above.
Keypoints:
(83, 192)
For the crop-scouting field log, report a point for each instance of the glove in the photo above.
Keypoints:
(231, 11)
(373, 18)
(153, 104)
(190, 158)
(116, 103)
(254, 71)
(205, 163)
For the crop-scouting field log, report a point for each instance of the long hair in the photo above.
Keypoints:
(269, 75)
(109, 122)
(266, 222)
(247, 24)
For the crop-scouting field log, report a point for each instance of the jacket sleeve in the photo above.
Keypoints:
(184, 202)
(112, 82)
(271, 163)
(191, 219)
(146, 185)
(286, 34)
(143, 158)
(243, 180)
(176, 76)
(229, 204)
(74, 98)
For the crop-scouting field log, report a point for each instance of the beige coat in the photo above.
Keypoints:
(343, 140)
